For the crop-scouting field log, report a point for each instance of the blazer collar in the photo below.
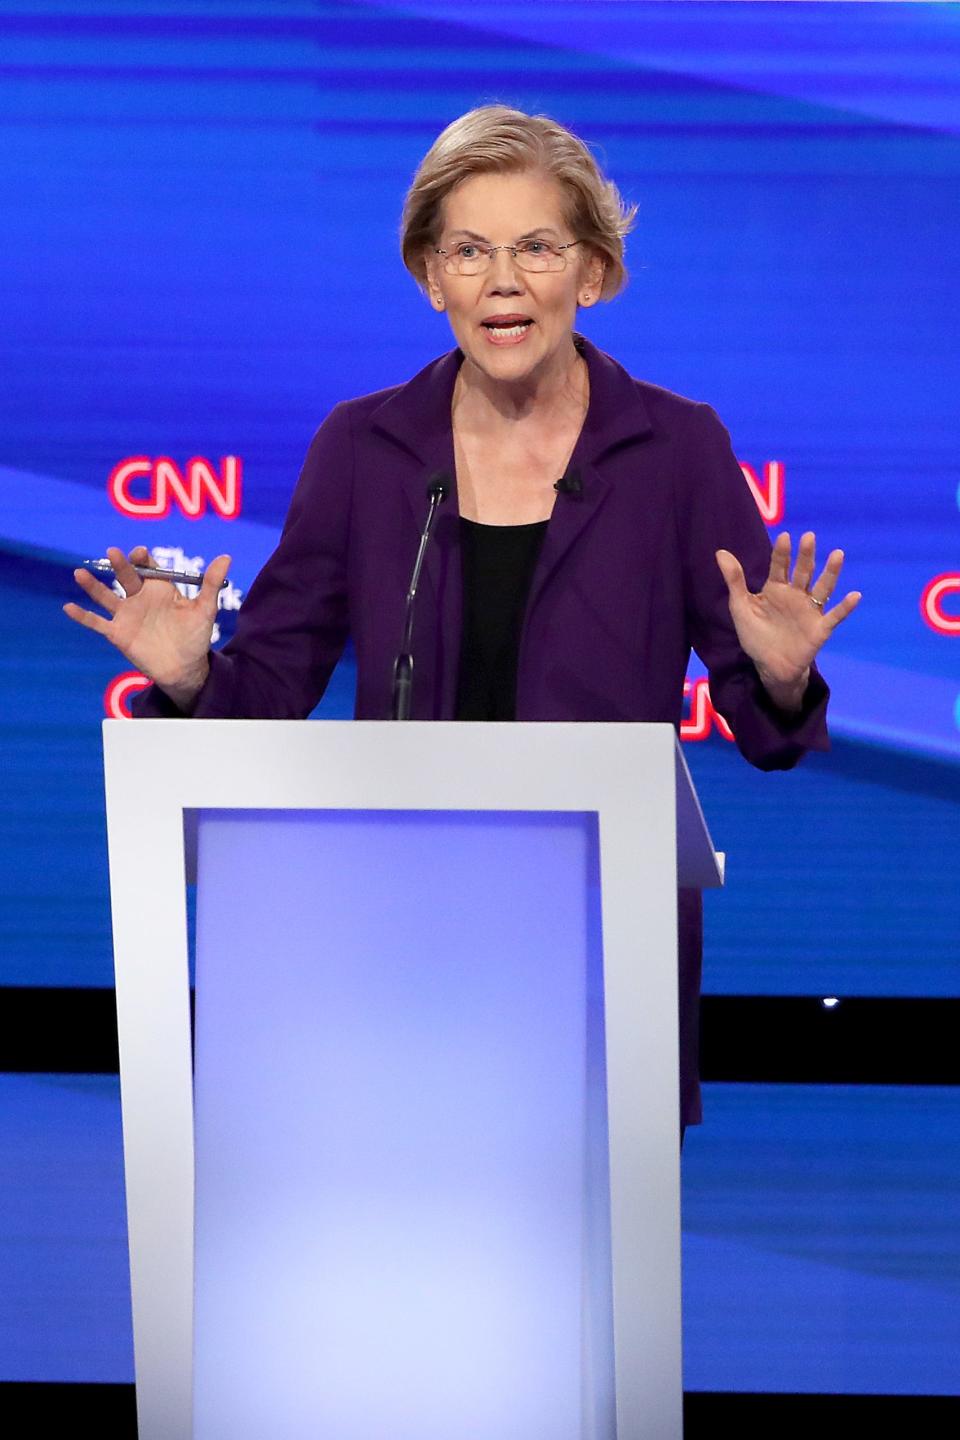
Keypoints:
(616, 414)
(418, 413)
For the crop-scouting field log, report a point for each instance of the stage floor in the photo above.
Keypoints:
(821, 1237)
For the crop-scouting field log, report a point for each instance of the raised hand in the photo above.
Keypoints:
(160, 631)
(783, 627)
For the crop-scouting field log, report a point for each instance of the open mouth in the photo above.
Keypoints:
(507, 327)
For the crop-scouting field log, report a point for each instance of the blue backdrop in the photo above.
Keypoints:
(200, 258)
(201, 206)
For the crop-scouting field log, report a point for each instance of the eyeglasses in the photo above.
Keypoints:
(470, 258)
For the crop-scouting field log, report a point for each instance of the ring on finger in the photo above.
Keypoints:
(819, 603)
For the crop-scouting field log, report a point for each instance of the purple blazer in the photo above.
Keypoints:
(625, 584)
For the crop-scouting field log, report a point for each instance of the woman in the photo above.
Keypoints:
(600, 525)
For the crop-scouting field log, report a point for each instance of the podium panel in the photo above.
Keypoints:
(419, 1190)
(402, 1210)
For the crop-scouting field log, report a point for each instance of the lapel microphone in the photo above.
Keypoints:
(570, 484)
(438, 488)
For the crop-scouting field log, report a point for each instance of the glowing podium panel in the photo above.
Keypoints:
(423, 1180)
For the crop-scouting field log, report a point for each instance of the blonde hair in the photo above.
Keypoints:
(495, 138)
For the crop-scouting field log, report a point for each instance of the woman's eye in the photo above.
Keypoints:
(469, 252)
(535, 247)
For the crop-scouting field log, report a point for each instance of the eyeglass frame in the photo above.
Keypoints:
(491, 250)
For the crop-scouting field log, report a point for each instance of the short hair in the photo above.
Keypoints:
(497, 139)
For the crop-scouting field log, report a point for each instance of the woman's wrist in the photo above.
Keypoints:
(184, 691)
(786, 695)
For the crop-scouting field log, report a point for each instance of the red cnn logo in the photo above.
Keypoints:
(191, 488)
(931, 604)
(768, 492)
(702, 717)
(116, 697)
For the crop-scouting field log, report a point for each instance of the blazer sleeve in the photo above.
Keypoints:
(717, 511)
(293, 624)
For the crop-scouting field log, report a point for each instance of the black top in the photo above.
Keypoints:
(498, 564)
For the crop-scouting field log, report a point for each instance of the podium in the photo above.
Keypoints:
(413, 1173)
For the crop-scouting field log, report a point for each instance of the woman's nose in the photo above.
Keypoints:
(505, 273)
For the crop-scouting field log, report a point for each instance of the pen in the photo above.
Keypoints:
(147, 572)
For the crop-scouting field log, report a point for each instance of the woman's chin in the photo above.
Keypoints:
(506, 364)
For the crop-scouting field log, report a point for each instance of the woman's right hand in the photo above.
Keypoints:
(161, 632)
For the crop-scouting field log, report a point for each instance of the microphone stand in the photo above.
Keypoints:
(437, 491)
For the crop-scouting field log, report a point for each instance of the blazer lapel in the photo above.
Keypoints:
(571, 515)
(418, 418)
(615, 417)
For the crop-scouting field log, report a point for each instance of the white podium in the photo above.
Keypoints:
(420, 1179)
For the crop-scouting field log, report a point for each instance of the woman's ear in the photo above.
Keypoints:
(591, 278)
(431, 283)
(596, 270)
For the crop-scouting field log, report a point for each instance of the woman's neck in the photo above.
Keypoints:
(482, 403)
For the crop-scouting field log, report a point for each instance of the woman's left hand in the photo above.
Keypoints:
(784, 626)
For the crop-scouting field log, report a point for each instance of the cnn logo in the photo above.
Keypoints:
(119, 693)
(941, 588)
(702, 718)
(146, 489)
(769, 493)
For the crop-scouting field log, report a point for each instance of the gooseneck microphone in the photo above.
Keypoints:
(570, 484)
(438, 489)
